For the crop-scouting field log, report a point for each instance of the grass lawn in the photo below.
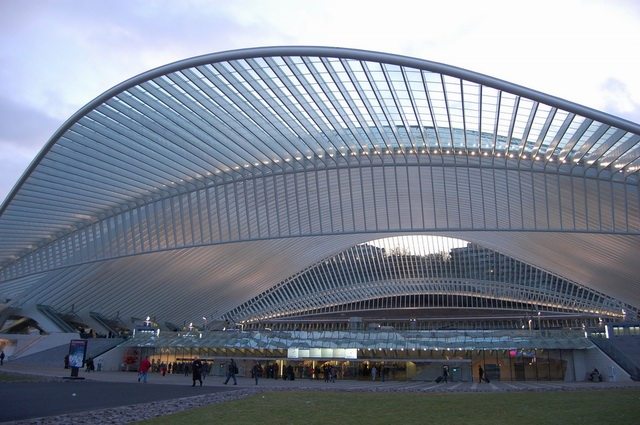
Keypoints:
(617, 407)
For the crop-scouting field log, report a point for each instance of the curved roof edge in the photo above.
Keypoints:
(336, 52)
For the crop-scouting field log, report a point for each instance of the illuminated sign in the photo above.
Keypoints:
(322, 353)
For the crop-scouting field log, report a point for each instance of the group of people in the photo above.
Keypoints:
(89, 365)
(178, 367)
(197, 374)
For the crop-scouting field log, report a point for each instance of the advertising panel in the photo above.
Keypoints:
(77, 352)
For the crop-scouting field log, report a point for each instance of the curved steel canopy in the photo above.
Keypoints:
(231, 172)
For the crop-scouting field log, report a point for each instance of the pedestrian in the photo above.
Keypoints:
(196, 370)
(232, 369)
(1, 357)
(66, 361)
(290, 374)
(480, 374)
(374, 372)
(256, 372)
(143, 370)
(89, 365)
(445, 373)
(205, 369)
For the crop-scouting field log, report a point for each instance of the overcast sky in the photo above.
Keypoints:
(57, 55)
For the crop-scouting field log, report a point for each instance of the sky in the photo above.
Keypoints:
(57, 55)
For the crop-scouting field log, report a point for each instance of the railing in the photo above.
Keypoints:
(54, 316)
(104, 322)
(23, 349)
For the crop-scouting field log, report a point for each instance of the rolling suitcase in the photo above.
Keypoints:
(439, 379)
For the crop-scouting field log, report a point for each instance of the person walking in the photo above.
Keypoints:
(143, 371)
(1, 357)
(196, 370)
(374, 372)
(232, 369)
(256, 372)
(445, 373)
(480, 374)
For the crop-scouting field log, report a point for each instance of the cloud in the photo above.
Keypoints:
(67, 52)
(14, 164)
(23, 133)
(619, 100)
(25, 126)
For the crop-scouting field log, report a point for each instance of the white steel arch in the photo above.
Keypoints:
(310, 149)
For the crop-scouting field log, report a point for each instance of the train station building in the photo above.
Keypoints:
(308, 206)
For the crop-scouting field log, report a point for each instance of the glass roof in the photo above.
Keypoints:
(234, 116)
(267, 114)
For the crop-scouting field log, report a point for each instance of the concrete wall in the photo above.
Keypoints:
(586, 360)
(21, 345)
(111, 360)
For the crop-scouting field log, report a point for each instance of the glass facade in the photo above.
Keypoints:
(462, 365)
(417, 356)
